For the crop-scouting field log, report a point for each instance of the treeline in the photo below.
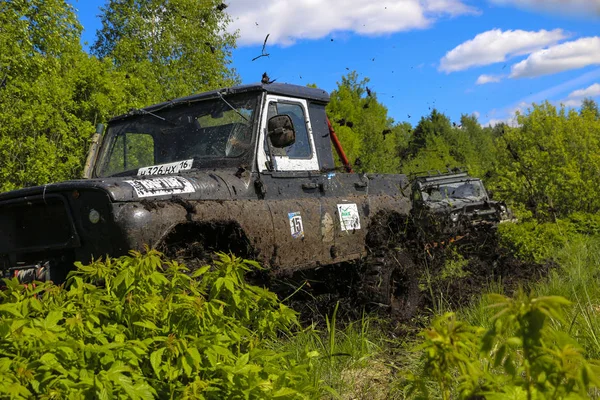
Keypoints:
(52, 92)
(547, 166)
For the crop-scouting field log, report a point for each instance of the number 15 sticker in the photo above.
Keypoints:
(296, 225)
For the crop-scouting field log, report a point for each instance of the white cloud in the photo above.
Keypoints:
(289, 20)
(591, 91)
(496, 46)
(451, 7)
(571, 103)
(506, 114)
(575, 98)
(562, 57)
(483, 79)
(586, 7)
(510, 121)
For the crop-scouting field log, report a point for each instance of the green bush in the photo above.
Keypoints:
(140, 327)
(533, 241)
(520, 356)
(585, 223)
(538, 242)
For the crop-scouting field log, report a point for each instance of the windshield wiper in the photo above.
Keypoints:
(232, 107)
(141, 111)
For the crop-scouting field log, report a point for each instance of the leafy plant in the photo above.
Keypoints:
(533, 241)
(150, 331)
(520, 356)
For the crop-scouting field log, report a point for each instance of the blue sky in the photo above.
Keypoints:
(488, 57)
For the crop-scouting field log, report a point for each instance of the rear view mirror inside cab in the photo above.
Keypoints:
(281, 131)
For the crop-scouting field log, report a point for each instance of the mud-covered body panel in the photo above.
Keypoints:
(130, 222)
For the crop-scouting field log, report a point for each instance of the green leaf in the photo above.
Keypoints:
(147, 324)
(187, 368)
(195, 355)
(200, 271)
(10, 308)
(242, 360)
(156, 361)
(285, 392)
(52, 319)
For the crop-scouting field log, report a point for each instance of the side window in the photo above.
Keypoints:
(131, 151)
(301, 148)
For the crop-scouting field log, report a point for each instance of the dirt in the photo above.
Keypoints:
(195, 244)
(484, 262)
(421, 274)
(418, 270)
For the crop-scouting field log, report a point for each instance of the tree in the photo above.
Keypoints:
(430, 147)
(363, 126)
(436, 124)
(177, 47)
(52, 93)
(41, 138)
(439, 144)
(549, 163)
(590, 107)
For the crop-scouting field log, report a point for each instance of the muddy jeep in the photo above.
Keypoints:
(247, 169)
(446, 205)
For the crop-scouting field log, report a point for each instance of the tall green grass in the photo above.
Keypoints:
(576, 278)
(351, 362)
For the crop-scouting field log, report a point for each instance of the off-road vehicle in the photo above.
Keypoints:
(247, 169)
(451, 204)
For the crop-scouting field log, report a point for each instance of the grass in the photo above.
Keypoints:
(350, 363)
(362, 360)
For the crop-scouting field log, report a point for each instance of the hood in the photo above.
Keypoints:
(198, 184)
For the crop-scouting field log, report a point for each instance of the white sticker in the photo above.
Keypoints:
(165, 169)
(349, 217)
(161, 186)
(296, 225)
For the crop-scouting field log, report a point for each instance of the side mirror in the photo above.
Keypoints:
(281, 131)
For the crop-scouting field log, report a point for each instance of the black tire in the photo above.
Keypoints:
(390, 284)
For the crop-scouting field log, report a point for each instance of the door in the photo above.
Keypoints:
(291, 180)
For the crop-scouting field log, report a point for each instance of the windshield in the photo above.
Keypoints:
(179, 138)
(471, 190)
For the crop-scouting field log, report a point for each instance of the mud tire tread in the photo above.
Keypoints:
(390, 284)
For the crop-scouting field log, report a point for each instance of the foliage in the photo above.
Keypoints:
(40, 138)
(151, 331)
(369, 137)
(438, 144)
(54, 93)
(519, 356)
(176, 47)
(588, 105)
(533, 241)
(550, 163)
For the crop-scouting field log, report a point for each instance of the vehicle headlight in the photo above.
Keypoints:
(454, 217)
(94, 216)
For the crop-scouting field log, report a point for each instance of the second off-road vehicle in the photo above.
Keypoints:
(446, 205)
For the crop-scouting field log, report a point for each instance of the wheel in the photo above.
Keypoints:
(390, 283)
